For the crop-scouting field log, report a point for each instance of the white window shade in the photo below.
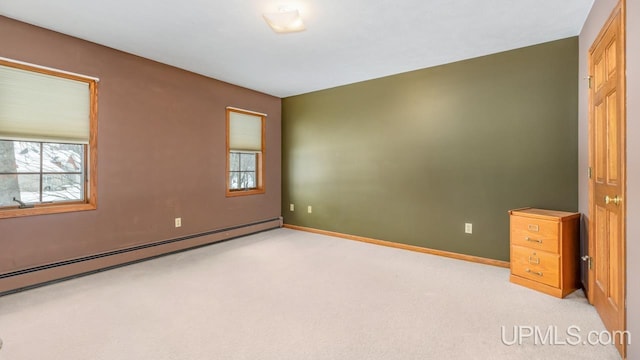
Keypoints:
(41, 107)
(245, 132)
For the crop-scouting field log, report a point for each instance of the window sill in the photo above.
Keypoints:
(244, 192)
(45, 210)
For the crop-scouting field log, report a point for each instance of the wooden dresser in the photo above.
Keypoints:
(545, 250)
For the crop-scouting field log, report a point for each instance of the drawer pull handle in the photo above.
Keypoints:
(533, 240)
(534, 260)
(539, 273)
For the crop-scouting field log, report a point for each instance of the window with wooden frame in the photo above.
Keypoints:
(245, 152)
(48, 140)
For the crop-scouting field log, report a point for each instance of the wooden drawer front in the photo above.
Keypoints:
(536, 265)
(534, 233)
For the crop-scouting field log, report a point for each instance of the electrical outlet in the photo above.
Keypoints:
(309, 209)
(178, 222)
(468, 228)
(291, 207)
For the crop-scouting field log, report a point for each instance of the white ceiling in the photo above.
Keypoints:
(346, 41)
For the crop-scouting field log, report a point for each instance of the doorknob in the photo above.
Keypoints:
(616, 200)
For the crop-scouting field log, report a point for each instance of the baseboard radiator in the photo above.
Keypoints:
(24, 279)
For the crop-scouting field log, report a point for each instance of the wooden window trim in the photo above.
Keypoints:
(260, 168)
(90, 154)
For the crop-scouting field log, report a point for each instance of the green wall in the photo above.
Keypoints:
(411, 157)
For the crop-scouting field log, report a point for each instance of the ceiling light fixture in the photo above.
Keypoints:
(285, 20)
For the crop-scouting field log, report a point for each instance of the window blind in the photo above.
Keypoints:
(42, 107)
(245, 132)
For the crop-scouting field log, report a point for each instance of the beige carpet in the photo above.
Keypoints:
(285, 294)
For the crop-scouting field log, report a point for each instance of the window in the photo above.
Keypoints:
(47, 140)
(245, 152)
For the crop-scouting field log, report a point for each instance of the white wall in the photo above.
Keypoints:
(633, 175)
(597, 17)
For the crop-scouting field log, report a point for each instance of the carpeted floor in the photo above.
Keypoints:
(285, 294)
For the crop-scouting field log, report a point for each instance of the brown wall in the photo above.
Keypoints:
(161, 154)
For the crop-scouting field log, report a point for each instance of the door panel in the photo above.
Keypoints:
(611, 57)
(600, 147)
(613, 157)
(601, 250)
(614, 254)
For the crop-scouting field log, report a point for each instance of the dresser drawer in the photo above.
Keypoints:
(534, 233)
(536, 265)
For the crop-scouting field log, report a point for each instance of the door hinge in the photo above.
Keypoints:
(590, 172)
(589, 80)
(589, 261)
